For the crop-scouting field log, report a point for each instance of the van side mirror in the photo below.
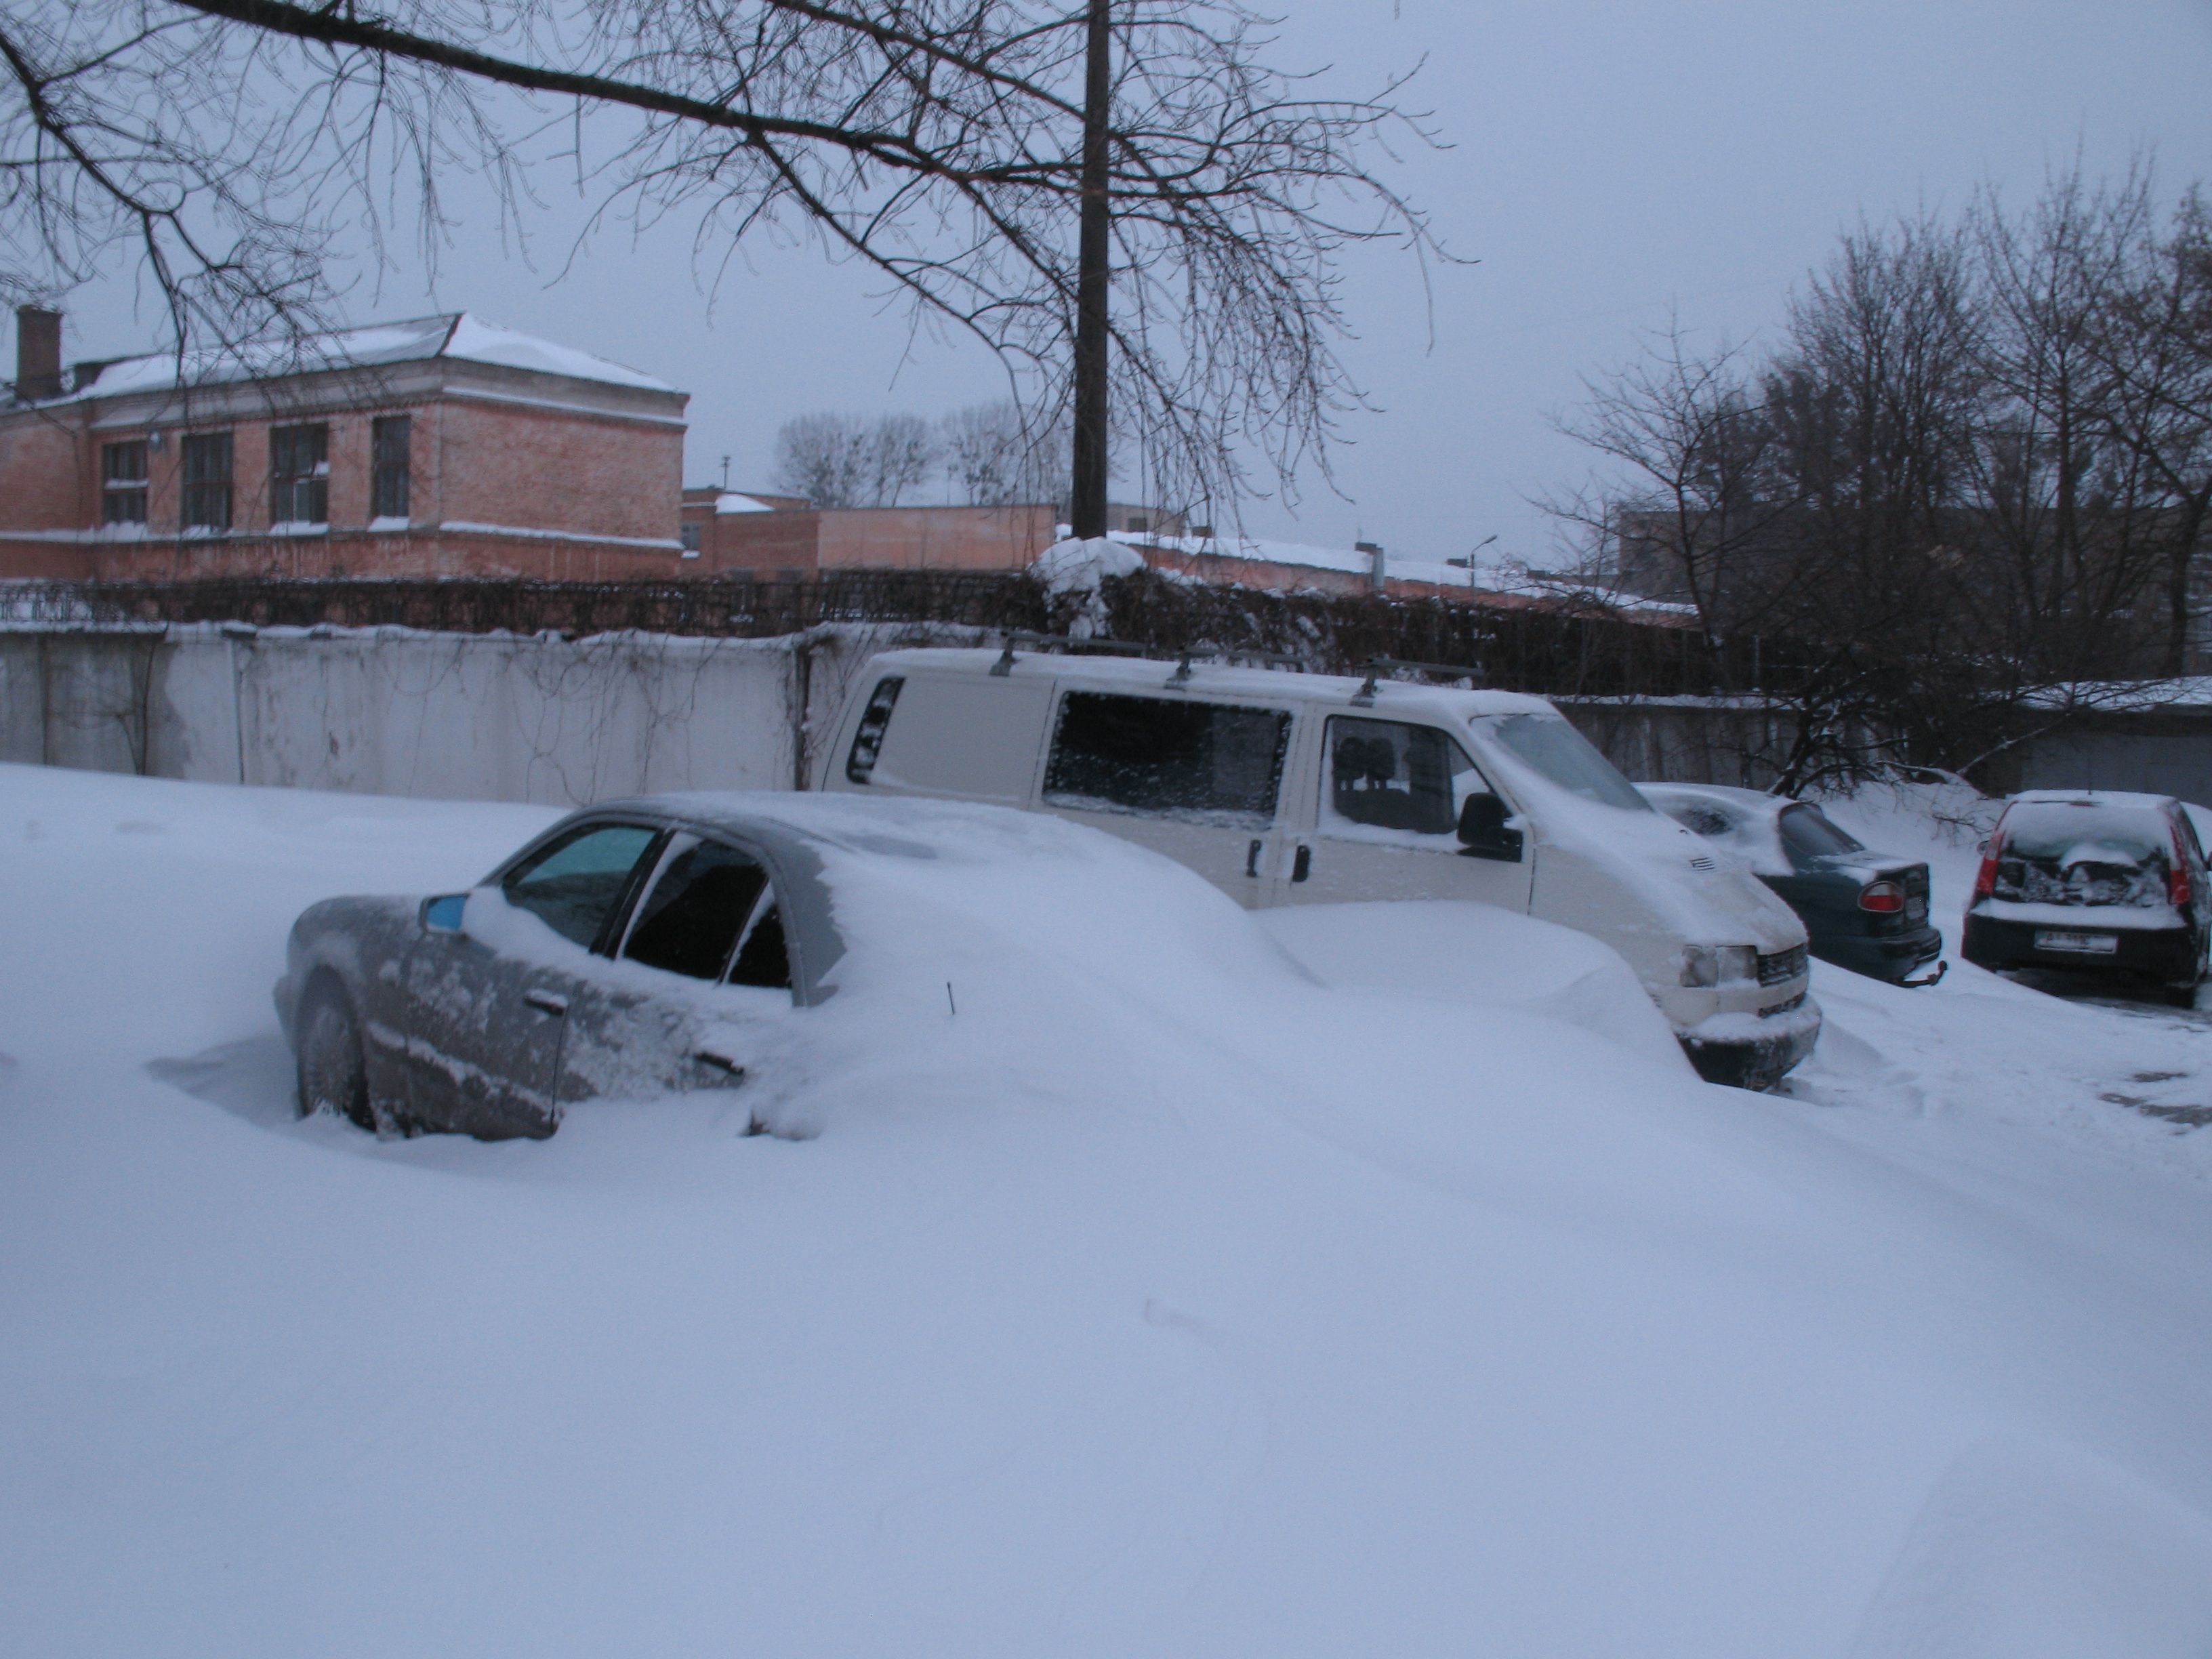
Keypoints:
(1482, 830)
(442, 915)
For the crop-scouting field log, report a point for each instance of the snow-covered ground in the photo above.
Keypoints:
(1172, 1306)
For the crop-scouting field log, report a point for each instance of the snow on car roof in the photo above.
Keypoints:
(1751, 801)
(1214, 680)
(2112, 797)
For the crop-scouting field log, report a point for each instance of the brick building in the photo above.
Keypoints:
(440, 447)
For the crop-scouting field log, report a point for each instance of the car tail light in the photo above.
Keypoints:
(1986, 880)
(1887, 898)
(2177, 874)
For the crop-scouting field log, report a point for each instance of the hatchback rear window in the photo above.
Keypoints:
(2065, 853)
(1216, 761)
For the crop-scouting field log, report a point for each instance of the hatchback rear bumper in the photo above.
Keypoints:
(2162, 953)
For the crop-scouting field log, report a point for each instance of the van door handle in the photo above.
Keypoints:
(1252, 859)
(545, 1002)
(1302, 865)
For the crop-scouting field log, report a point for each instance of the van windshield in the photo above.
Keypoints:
(1569, 759)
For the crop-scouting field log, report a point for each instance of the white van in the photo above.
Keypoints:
(1290, 788)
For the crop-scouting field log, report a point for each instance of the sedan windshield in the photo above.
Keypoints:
(1569, 759)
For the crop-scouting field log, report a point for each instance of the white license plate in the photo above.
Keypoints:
(2085, 945)
(1916, 911)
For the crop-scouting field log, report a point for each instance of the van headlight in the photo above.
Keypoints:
(1719, 964)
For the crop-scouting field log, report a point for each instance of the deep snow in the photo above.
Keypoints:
(1161, 1301)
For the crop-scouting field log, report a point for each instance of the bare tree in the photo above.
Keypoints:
(997, 455)
(230, 145)
(1684, 446)
(1948, 496)
(847, 460)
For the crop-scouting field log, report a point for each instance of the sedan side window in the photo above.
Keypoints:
(573, 885)
(763, 955)
(703, 896)
(1385, 775)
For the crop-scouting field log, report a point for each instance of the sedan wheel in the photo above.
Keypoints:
(332, 1075)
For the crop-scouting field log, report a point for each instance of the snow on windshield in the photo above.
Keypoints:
(1569, 759)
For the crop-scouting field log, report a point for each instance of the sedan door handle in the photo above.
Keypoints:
(1302, 863)
(719, 1063)
(546, 1002)
(1252, 858)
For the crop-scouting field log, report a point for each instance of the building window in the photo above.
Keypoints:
(689, 535)
(207, 481)
(389, 440)
(123, 481)
(299, 474)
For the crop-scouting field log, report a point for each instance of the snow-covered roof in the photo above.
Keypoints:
(730, 501)
(1496, 574)
(455, 335)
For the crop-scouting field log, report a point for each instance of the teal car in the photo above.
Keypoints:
(1863, 910)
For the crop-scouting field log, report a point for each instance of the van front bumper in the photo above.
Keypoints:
(1753, 1051)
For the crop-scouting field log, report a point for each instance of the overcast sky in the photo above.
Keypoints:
(1608, 162)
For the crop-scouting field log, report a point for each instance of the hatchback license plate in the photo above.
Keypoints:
(2081, 944)
(1915, 911)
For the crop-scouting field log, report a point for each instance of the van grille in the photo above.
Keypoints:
(1782, 966)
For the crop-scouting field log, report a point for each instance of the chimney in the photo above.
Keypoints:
(1374, 552)
(38, 353)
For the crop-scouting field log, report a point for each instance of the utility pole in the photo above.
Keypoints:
(1087, 494)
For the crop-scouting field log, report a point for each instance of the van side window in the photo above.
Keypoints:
(1386, 774)
(1214, 761)
(875, 720)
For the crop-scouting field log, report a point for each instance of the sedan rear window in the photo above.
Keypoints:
(1569, 759)
(1214, 761)
(1810, 833)
(573, 885)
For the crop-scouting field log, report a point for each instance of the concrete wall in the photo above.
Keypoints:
(2163, 752)
(391, 712)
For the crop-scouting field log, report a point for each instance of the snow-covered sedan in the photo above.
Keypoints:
(1864, 910)
(636, 947)
(2105, 880)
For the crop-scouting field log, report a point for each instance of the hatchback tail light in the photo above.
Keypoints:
(2178, 888)
(1985, 880)
(1886, 898)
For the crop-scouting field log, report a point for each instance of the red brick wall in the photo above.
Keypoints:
(45, 482)
(505, 465)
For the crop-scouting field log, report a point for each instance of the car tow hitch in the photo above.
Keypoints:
(1935, 978)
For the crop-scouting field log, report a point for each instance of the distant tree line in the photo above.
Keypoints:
(1968, 483)
(993, 455)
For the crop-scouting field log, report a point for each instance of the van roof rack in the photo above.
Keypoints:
(1378, 666)
(1184, 657)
